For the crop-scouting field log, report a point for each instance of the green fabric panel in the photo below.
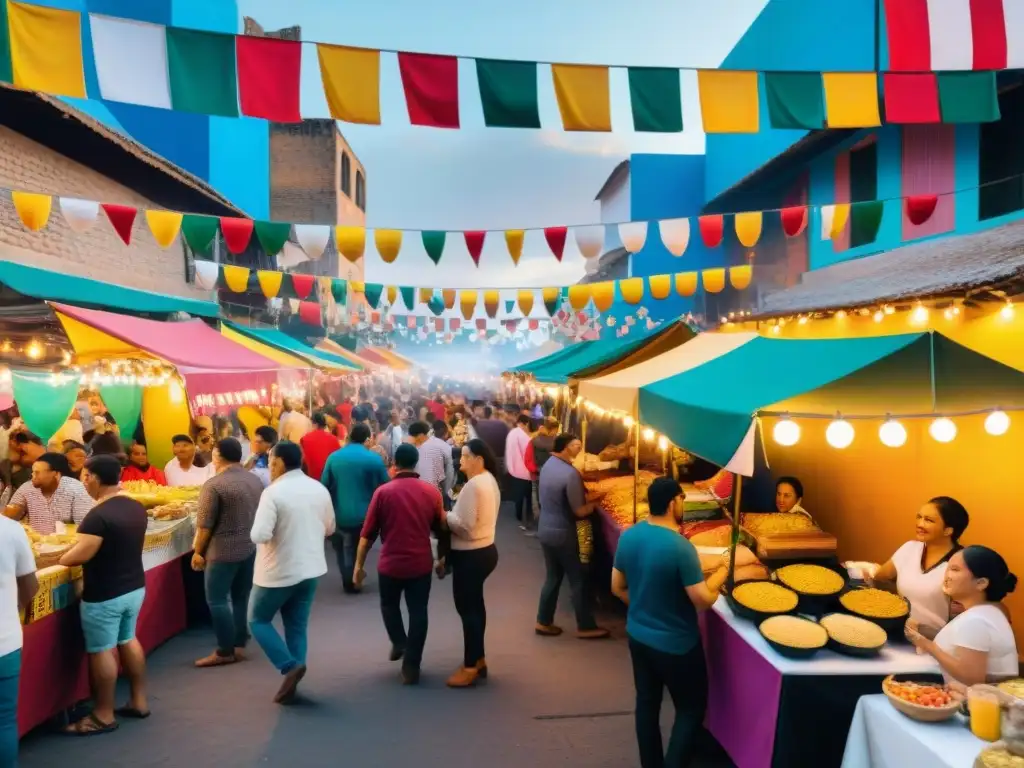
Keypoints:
(125, 404)
(272, 235)
(201, 71)
(508, 93)
(795, 100)
(408, 293)
(708, 410)
(373, 292)
(339, 290)
(44, 285)
(6, 70)
(865, 219)
(968, 97)
(433, 244)
(280, 340)
(546, 360)
(656, 99)
(199, 231)
(600, 354)
(43, 404)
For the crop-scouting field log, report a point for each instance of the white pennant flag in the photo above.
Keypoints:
(79, 214)
(206, 274)
(589, 240)
(675, 235)
(633, 235)
(828, 213)
(313, 238)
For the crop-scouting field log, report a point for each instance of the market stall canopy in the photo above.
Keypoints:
(394, 361)
(217, 372)
(326, 345)
(550, 359)
(281, 345)
(711, 409)
(44, 285)
(369, 354)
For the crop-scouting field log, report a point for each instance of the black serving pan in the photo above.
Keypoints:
(800, 654)
(853, 650)
(893, 627)
(818, 605)
(749, 613)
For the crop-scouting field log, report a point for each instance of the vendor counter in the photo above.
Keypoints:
(54, 674)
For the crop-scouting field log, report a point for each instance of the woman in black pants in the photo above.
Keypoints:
(473, 555)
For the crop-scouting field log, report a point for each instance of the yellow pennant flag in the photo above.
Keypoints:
(388, 243)
(491, 301)
(33, 209)
(351, 242)
(583, 97)
(164, 225)
(579, 296)
(748, 228)
(392, 294)
(740, 277)
(660, 285)
(686, 283)
(46, 49)
(840, 215)
(851, 99)
(514, 241)
(236, 278)
(714, 280)
(426, 294)
(467, 303)
(525, 301)
(270, 282)
(603, 295)
(351, 80)
(448, 296)
(729, 101)
(632, 290)
(550, 296)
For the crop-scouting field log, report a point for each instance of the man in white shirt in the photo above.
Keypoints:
(293, 519)
(18, 586)
(52, 499)
(520, 483)
(182, 469)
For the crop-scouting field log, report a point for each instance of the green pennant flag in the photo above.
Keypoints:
(408, 296)
(552, 305)
(968, 97)
(433, 244)
(6, 70)
(865, 219)
(656, 99)
(124, 401)
(201, 72)
(44, 404)
(509, 306)
(508, 93)
(199, 232)
(436, 305)
(339, 290)
(273, 235)
(795, 100)
(373, 292)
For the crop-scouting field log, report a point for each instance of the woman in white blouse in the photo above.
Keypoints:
(473, 555)
(978, 645)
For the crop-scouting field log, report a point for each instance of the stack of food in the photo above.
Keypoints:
(853, 635)
(150, 494)
(49, 548)
(769, 523)
(793, 636)
(999, 756)
(884, 608)
(173, 510)
(616, 496)
(759, 600)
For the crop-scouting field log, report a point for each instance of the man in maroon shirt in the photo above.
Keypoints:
(317, 446)
(403, 512)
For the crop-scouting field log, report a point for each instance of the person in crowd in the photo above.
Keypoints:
(105, 439)
(563, 501)
(493, 432)
(919, 566)
(264, 439)
(537, 453)
(474, 556)
(183, 470)
(403, 513)
(435, 460)
(223, 549)
(294, 422)
(978, 645)
(18, 587)
(51, 497)
(436, 408)
(109, 550)
(363, 414)
(139, 467)
(789, 497)
(317, 445)
(658, 575)
(519, 484)
(392, 436)
(71, 430)
(351, 476)
(76, 455)
(293, 519)
(24, 448)
(344, 411)
(205, 442)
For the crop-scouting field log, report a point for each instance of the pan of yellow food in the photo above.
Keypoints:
(853, 636)
(887, 610)
(760, 599)
(794, 637)
(817, 585)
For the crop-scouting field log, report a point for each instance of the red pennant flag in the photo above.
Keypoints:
(510, 325)
(389, 326)
(309, 313)
(431, 85)
(410, 321)
(454, 324)
(122, 219)
(988, 34)
(920, 208)
(237, 232)
(906, 22)
(303, 285)
(481, 324)
(269, 71)
(475, 244)
(556, 240)
(534, 325)
(912, 98)
(375, 318)
(794, 219)
(439, 324)
(712, 229)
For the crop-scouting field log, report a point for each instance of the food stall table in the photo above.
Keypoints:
(881, 737)
(770, 711)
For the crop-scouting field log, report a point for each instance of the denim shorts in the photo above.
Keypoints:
(111, 622)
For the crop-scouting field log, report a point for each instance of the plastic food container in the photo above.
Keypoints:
(1013, 723)
(985, 704)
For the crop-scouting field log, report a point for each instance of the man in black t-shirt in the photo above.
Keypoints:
(109, 549)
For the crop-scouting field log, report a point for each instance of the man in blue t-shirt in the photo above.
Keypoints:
(658, 575)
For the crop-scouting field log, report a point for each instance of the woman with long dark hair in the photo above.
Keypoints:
(473, 555)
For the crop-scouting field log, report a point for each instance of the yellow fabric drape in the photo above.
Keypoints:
(467, 303)
(351, 80)
(660, 285)
(632, 290)
(165, 226)
(525, 301)
(851, 99)
(236, 278)
(491, 301)
(584, 100)
(840, 215)
(714, 280)
(748, 228)
(729, 101)
(351, 242)
(740, 277)
(686, 283)
(514, 241)
(579, 296)
(603, 295)
(388, 243)
(270, 282)
(392, 292)
(448, 295)
(46, 49)
(33, 209)
(91, 344)
(165, 413)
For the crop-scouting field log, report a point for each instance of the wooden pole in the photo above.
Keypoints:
(636, 457)
(734, 539)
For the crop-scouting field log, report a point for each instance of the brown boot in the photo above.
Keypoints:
(286, 693)
(464, 677)
(481, 669)
(547, 630)
(216, 660)
(597, 633)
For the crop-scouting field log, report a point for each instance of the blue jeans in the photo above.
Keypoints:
(10, 673)
(345, 542)
(294, 604)
(227, 593)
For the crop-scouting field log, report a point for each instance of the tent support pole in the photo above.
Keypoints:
(583, 434)
(636, 456)
(734, 539)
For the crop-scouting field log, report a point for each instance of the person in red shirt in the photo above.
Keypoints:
(403, 513)
(139, 467)
(317, 446)
(437, 409)
(345, 412)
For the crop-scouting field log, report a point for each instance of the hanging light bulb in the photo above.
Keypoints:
(920, 315)
(892, 434)
(997, 422)
(841, 314)
(786, 432)
(662, 443)
(34, 350)
(942, 430)
(628, 422)
(878, 316)
(889, 309)
(802, 320)
(839, 433)
(948, 313)
(648, 434)
(1007, 311)
(776, 329)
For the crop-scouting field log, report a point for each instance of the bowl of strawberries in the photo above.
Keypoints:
(924, 700)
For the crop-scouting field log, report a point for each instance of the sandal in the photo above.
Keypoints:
(90, 725)
(132, 713)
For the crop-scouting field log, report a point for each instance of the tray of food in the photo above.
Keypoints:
(760, 599)
(817, 586)
(888, 610)
(920, 698)
(793, 637)
(853, 636)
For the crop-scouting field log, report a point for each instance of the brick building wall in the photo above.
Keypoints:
(98, 253)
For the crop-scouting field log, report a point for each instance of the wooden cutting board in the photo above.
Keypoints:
(795, 545)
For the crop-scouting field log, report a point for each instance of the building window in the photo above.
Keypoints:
(863, 183)
(1001, 159)
(346, 174)
(360, 191)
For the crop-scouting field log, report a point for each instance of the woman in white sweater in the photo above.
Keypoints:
(473, 555)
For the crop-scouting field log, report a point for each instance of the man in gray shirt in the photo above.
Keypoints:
(563, 501)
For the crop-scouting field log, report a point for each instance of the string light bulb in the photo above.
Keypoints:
(889, 309)
(776, 328)
(878, 316)
(839, 433)
(786, 432)
(802, 320)
(628, 422)
(841, 314)
(942, 430)
(34, 350)
(948, 313)
(892, 434)
(662, 443)
(648, 434)
(1007, 311)
(920, 315)
(997, 423)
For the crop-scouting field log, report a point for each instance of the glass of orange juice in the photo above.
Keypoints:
(986, 712)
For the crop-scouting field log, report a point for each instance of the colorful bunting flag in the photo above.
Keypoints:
(865, 219)
(122, 219)
(660, 285)
(237, 233)
(351, 81)
(632, 290)
(236, 278)
(269, 72)
(656, 99)
(392, 294)
(207, 274)
(729, 101)
(475, 244)
(525, 300)
(273, 235)
(467, 303)
(33, 209)
(491, 300)
(339, 290)
(201, 72)
(712, 229)
(426, 294)
(551, 297)
(795, 100)
(372, 292)
(270, 282)
(675, 235)
(851, 99)
(794, 219)
(556, 240)
(741, 276)
(633, 234)
(433, 243)
(199, 231)
(165, 226)
(351, 242)
(80, 215)
(431, 85)
(302, 285)
(46, 49)
(408, 294)
(313, 238)
(508, 93)
(449, 295)
(583, 97)
(920, 208)
(579, 295)
(968, 97)
(748, 228)
(911, 98)
(310, 313)
(686, 283)
(713, 279)
(514, 242)
(603, 295)
(388, 243)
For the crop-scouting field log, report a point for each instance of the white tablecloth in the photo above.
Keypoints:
(881, 737)
(893, 660)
